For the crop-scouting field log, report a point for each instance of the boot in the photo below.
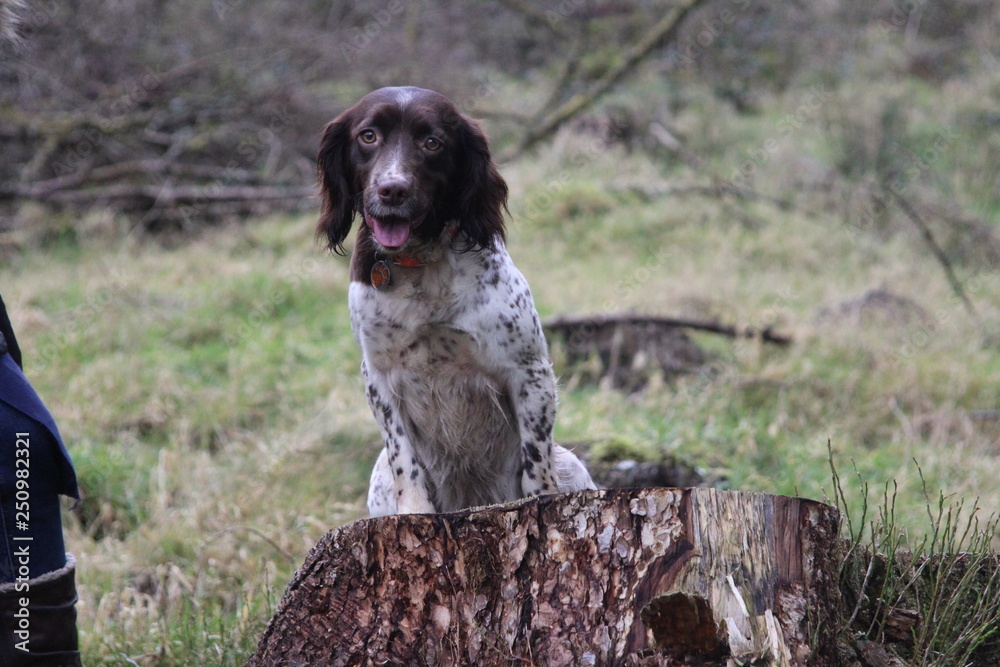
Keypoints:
(38, 620)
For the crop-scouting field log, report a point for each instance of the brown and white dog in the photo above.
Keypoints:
(455, 364)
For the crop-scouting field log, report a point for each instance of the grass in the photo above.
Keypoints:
(209, 393)
(935, 598)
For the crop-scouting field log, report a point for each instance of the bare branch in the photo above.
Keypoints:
(661, 31)
(936, 250)
(533, 14)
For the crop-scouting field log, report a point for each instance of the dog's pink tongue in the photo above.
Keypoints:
(391, 235)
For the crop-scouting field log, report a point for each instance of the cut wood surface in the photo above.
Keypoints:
(612, 577)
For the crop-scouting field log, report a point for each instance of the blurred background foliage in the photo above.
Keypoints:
(166, 110)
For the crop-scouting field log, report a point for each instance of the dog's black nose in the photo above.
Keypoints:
(393, 191)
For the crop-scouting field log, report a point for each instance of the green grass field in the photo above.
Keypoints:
(209, 392)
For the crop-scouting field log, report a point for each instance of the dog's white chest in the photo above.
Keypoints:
(414, 325)
(427, 350)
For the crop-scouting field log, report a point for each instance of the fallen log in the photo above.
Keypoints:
(612, 577)
(569, 325)
(169, 167)
(629, 348)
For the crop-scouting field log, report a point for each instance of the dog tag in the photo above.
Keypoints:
(380, 276)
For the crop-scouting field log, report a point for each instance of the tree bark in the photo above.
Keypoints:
(612, 577)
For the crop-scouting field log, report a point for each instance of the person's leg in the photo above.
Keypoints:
(37, 576)
(30, 521)
(38, 620)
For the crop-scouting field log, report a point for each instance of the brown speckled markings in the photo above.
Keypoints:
(563, 580)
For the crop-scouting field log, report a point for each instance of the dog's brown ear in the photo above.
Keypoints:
(336, 180)
(482, 195)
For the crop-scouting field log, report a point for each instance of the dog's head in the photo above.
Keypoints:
(408, 162)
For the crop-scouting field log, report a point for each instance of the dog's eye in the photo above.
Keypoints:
(368, 136)
(432, 143)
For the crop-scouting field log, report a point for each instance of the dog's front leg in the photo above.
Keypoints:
(535, 389)
(408, 492)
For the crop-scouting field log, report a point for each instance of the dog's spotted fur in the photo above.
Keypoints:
(456, 367)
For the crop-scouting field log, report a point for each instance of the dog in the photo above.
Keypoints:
(455, 364)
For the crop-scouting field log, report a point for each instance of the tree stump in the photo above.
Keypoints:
(612, 577)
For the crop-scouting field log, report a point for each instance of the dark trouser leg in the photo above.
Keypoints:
(37, 576)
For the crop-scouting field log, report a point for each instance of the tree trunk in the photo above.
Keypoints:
(614, 577)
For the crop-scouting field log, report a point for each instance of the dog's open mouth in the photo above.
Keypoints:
(392, 231)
